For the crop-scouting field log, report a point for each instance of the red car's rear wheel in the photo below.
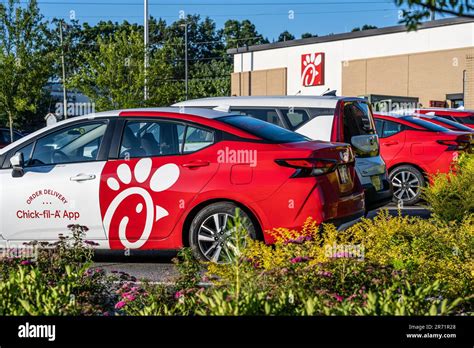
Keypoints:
(407, 182)
(212, 234)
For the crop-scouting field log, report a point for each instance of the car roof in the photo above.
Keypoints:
(394, 115)
(454, 111)
(285, 101)
(200, 112)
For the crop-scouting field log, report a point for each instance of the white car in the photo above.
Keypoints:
(327, 118)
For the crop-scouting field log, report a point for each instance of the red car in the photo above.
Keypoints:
(161, 179)
(413, 149)
(465, 117)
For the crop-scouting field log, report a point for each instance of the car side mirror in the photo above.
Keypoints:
(365, 145)
(17, 163)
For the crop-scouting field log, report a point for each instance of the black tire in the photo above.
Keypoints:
(407, 182)
(206, 216)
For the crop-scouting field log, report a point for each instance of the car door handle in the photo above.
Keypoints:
(196, 164)
(389, 143)
(83, 177)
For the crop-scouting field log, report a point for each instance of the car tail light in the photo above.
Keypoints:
(462, 142)
(308, 166)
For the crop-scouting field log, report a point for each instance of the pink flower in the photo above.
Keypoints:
(338, 298)
(26, 263)
(178, 294)
(299, 259)
(120, 304)
(350, 298)
(325, 274)
(298, 240)
(130, 298)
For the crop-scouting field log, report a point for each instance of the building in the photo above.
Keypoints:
(433, 66)
(78, 104)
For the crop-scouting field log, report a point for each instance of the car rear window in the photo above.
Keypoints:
(465, 119)
(454, 124)
(262, 129)
(357, 120)
(267, 115)
(426, 124)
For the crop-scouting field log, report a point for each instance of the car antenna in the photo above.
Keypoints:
(329, 92)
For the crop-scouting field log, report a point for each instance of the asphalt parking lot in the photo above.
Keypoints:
(157, 266)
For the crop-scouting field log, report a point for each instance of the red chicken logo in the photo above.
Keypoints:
(312, 69)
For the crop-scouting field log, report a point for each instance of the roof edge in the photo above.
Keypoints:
(351, 35)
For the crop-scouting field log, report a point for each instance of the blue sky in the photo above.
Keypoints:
(270, 17)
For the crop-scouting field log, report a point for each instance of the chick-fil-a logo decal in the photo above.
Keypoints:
(312, 69)
(43, 204)
(129, 203)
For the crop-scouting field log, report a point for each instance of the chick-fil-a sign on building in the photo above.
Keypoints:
(312, 69)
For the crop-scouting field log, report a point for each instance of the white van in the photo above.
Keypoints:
(328, 118)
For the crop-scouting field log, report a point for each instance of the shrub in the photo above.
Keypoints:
(27, 292)
(58, 281)
(431, 255)
(406, 266)
(451, 196)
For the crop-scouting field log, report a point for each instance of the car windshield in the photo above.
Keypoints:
(426, 124)
(453, 124)
(262, 129)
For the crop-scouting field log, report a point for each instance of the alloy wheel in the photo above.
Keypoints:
(406, 185)
(216, 238)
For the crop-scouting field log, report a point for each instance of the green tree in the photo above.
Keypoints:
(308, 35)
(113, 76)
(364, 27)
(210, 79)
(25, 60)
(418, 10)
(285, 36)
(240, 34)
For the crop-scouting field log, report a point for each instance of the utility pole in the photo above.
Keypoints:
(64, 70)
(145, 41)
(185, 25)
(186, 58)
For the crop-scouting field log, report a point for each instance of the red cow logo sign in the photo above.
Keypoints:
(312, 69)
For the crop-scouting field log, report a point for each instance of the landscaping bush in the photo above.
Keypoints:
(451, 196)
(386, 266)
(59, 280)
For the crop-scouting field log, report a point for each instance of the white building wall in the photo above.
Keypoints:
(336, 52)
